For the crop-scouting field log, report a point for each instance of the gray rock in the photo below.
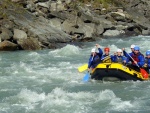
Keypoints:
(19, 34)
(43, 4)
(56, 23)
(38, 27)
(8, 46)
(6, 34)
(68, 1)
(99, 29)
(121, 27)
(146, 32)
(111, 33)
(53, 6)
(88, 29)
(29, 44)
(68, 26)
(118, 16)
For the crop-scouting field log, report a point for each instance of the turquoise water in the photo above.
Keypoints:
(47, 81)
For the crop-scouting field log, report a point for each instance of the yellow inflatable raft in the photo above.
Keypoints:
(115, 71)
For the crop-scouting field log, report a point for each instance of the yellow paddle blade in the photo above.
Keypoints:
(83, 68)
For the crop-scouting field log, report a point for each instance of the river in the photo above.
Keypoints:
(47, 81)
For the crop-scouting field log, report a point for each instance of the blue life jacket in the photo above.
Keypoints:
(95, 60)
(147, 61)
(118, 59)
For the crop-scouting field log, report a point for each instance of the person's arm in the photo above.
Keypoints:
(141, 60)
(129, 58)
(148, 65)
(90, 61)
(100, 52)
(114, 58)
(125, 54)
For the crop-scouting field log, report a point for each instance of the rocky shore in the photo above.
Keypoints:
(39, 24)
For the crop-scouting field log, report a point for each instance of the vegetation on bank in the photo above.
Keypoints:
(104, 3)
(8, 5)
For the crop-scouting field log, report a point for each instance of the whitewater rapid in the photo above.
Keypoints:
(48, 81)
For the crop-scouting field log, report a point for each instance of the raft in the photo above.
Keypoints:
(110, 71)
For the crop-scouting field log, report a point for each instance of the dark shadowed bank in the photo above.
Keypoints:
(39, 24)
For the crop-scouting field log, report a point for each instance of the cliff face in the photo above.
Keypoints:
(51, 23)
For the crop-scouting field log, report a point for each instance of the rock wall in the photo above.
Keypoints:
(38, 24)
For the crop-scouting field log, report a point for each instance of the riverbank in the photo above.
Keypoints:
(40, 24)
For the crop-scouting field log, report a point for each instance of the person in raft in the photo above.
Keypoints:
(95, 57)
(132, 50)
(106, 57)
(136, 58)
(147, 61)
(118, 57)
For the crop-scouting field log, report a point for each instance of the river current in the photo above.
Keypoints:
(47, 81)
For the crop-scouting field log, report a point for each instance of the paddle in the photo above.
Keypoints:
(143, 72)
(83, 68)
(86, 77)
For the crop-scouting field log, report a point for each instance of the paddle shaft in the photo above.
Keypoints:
(132, 59)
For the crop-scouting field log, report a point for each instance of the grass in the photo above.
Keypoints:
(7, 5)
(103, 3)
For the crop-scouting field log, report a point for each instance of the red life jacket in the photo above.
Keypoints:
(135, 57)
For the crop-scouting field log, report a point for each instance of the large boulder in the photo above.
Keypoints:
(19, 34)
(6, 34)
(8, 46)
(29, 44)
(110, 33)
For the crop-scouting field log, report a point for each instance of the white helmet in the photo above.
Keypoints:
(94, 50)
(119, 50)
(132, 46)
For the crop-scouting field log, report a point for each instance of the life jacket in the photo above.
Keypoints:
(119, 59)
(96, 60)
(135, 57)
(146, 60)
(106, 59)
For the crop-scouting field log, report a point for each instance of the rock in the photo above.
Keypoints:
(88, 29)
(99, 29)
(17, 0)
(29, 44)
(121, 27)
(55, 23)
(60, 6)
(6, 34)
(68, 1)
(43, 4)
(8, 24)
(86, 14)
(19, 34)
(53, 6)
(146, 32)
(118, 16)
(8, 46)
(111, 33)
(67, 26)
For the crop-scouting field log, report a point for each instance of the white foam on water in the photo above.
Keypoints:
(119, 41)
(68, 50)
(26, 96)
(106, 95)
(119, 105)
(61, 100)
